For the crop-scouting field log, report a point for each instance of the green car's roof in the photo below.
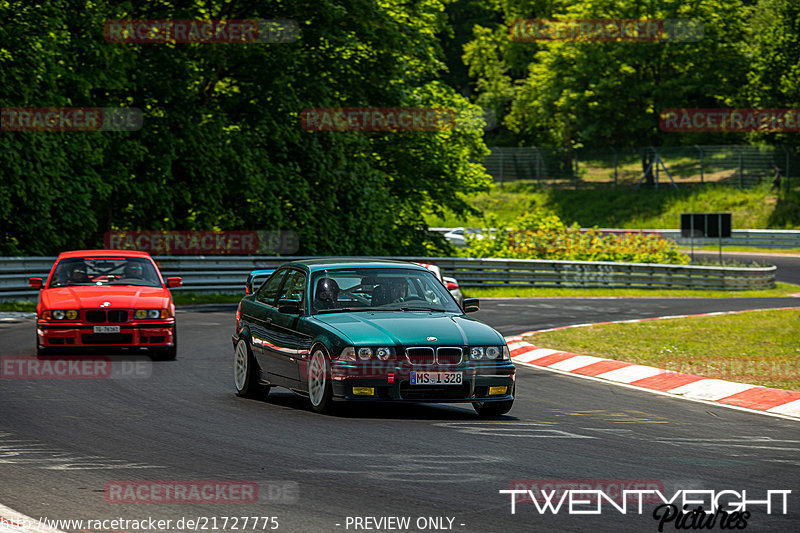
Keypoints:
(314, 265)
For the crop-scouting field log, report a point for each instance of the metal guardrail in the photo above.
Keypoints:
(598, 274)
(749, 237)
(228, 273)
(757, 238)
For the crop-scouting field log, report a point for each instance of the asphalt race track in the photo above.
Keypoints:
(62, 441)
(788, 270)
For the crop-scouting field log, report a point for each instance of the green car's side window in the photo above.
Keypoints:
(294, 286)
(268, 292)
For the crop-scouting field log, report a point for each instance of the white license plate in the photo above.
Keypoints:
(106, 329)
(436, 378)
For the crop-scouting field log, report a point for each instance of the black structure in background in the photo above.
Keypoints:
(701, 225)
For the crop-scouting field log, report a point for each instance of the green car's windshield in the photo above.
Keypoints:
(379, 289)
(105, 271)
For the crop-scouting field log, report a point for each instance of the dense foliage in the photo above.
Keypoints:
(540, 235)
(222, 148)
(575, 94)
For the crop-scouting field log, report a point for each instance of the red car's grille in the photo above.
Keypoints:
(95, 316)
(117, 316)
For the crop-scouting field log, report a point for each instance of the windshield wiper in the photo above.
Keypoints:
(422, 309)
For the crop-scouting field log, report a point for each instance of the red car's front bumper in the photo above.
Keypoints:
(144, 334)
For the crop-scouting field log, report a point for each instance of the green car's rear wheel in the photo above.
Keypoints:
(246, 372)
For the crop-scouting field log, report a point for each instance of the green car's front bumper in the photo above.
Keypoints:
(393, 383)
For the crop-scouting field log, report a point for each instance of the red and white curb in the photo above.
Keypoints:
(780, 402)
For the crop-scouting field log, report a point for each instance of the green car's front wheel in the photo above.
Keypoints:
(493, 408)
(320, 390)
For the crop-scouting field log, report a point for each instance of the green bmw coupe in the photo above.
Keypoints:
(368, 330)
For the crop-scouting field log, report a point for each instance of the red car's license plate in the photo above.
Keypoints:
(106, 329)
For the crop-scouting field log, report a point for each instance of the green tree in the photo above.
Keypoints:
(221, 146)
(607, 93)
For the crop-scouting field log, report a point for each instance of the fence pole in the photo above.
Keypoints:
(501, 165)
(786, 149)
(575, 152)
(701, 164)
(616, 161)
(739, 148)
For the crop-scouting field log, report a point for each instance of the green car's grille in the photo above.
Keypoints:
(427, 355)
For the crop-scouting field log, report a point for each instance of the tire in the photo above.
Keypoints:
(493, 408)
(246, 372)
(171, 352)
(320, 389)
(41, 350)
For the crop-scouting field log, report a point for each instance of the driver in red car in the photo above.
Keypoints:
(134, 270)
(77, 274)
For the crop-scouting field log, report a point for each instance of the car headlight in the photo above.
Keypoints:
(151, 313)
(383, 353)
(476, 352)
(506, 353)
(60, 314)
(489, 352)
(348, 354)
(364, 353)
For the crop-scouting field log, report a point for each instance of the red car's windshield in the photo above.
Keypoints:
(105, 271)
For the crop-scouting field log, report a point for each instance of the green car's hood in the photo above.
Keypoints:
(411, 328)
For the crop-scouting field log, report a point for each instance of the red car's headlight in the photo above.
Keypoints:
(151, 313)
(60, 314)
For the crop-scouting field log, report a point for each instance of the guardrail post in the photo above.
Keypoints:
(701, 164)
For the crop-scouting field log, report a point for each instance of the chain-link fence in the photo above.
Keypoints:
(737, 165)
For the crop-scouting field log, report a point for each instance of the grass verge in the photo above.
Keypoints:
(781, 289)
(606, 207)
(758, 347)
(17, 306)
(193, 298)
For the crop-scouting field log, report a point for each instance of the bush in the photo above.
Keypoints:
(542, 235)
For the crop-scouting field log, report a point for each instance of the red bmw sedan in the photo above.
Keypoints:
(106, 299)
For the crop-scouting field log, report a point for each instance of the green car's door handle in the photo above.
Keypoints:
(268, 320)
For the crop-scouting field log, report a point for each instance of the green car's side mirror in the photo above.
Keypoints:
(289, 307)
